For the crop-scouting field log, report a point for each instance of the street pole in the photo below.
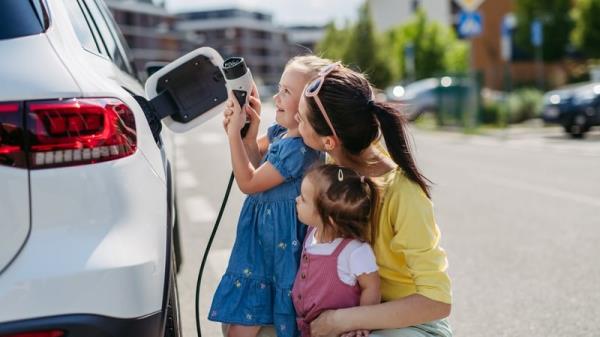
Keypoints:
(537, 39)
(508, 25)
(472, 111)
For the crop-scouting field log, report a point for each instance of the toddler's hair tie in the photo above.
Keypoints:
(340, 175)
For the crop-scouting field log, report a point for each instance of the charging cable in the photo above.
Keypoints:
(206, 251)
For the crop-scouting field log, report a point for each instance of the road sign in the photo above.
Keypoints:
(509, 22)
(469, 5)
(470, 24)
(537, 33)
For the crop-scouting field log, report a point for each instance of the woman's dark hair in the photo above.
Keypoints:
(348, 199)
(346, 96)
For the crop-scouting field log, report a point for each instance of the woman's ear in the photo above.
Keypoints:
(330, 143)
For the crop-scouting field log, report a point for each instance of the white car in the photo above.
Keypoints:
(86, 189)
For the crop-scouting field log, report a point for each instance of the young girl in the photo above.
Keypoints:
(256, 288)
(338, 268)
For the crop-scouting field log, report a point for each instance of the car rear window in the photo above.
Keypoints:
(21, 18)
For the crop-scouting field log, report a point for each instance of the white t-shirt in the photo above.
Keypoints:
(356, 259)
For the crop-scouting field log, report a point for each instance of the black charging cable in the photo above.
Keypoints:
(211, 239)
(208, 245)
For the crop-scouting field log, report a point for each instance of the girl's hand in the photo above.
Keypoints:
(253, 109)
(234, 119)
(227, 114)
(325, 325)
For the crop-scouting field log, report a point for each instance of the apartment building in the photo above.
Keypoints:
(239, 32)
(149, 31)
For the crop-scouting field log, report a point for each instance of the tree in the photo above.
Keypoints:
(365, 51)
(381, 56)
(586, 34)
(557, 26)
(436, 49)
(334, 43)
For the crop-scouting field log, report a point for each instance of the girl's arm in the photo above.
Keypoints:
(249, 178)
(369, 286)
(408, 311)
(256, 148)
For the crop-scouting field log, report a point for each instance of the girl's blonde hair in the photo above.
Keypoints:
(346, 201)
(309, 64)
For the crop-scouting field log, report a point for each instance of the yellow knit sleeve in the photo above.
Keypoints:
(416, 237)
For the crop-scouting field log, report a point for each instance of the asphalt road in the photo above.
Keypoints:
(519, 212)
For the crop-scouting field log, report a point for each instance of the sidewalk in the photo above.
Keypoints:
(532, 127)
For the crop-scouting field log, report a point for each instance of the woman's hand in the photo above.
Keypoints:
(253, 109)
(325, 325)
(356, 333)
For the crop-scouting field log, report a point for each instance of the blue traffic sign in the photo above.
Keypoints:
(537, 33)
(470, 24)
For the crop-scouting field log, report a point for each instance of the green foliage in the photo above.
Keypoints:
(335, 42)
(436, 48)
(359, 47)
(364, 50)
(516, 107)
(557, 26)
(586, 34)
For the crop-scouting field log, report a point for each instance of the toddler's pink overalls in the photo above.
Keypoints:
(318, 287)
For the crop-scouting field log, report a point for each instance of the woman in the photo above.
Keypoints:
(337, 115)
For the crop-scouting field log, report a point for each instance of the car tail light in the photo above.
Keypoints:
(70, 132)
(50, 333)
(79, 131)
(12, 136)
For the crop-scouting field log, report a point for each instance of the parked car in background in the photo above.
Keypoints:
(427, 95)
(576, 107)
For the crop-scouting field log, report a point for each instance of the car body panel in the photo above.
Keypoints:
(98, 242)
(109, 262)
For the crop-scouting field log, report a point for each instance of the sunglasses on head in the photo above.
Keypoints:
(313, 88)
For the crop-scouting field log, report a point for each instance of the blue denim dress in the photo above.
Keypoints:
(256, 288)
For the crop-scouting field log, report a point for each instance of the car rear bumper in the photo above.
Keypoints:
(89, 325)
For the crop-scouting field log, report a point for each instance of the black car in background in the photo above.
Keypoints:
(576, 107)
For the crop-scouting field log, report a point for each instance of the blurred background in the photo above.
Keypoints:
(455, 63)
(504, 98)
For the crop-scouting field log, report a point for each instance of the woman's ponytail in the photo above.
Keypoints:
(346, 96)
(393, 127)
